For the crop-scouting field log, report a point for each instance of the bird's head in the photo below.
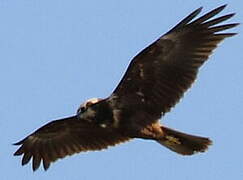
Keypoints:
(84, 106)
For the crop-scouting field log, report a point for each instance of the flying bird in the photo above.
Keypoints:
(154, 82)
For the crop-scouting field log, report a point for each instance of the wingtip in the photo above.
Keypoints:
(220, 8)
(230, 15)
(217, 10)
(233, 14)
(197, 11)
(46, 168)
(34, 168)
(200, 9)
(19, 151)
(17, 143)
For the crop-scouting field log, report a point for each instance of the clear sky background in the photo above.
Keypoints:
(55, 54)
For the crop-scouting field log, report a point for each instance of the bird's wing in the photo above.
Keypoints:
(159, 75)
(60, 138)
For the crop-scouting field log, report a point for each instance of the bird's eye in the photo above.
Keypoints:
(81, 110)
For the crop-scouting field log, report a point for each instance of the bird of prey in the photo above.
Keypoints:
(154, 82)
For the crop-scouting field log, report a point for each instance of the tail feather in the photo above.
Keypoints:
(182, 143)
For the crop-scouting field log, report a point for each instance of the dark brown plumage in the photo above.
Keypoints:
(154, 82)
(67, 136)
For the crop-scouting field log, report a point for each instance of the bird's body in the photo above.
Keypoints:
(154, 82)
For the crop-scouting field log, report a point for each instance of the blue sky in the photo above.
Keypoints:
(56, 54)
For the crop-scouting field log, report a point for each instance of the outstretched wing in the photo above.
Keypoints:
(60, 138)
(158, 76)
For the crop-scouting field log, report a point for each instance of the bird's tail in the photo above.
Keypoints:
(182, 143)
